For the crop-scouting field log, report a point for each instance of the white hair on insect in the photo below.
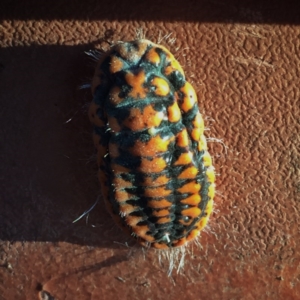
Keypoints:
(87, 211)
(175, 258)
(140, 34)
(166, 37)
(220, 141)
(95, 55)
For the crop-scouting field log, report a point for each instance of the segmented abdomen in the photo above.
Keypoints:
(156, 175)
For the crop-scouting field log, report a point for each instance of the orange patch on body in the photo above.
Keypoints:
(154, 146)
(188, 173)
(195, 134)
(123, 196)
(161, 180)
(133, 220)
(209, 207)
(120, 183)
(126, 209)
(202, 145)
(136, 81)
(160, 213)
(207, 159)
(190, 97)
(174, 114)
(141, 231)
(190, 188)
(162, 203)
(184, 159)
(211, 191)
(182, 138)
(139, 120)
(163, 220)
(155, 165)
(153, 57)
(162, 87)
(174, 65)
(199, 123)
(115, 65)
(202, 223)
(192, 200)
(192, 212)
(210, 173)
(156, 192)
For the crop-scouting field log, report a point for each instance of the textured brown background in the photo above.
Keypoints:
(243, 60)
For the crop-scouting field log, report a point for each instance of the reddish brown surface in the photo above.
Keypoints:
(242, 58)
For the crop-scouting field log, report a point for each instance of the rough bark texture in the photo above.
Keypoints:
(242, 58)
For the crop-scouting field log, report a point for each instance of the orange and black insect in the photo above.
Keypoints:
(156, 175)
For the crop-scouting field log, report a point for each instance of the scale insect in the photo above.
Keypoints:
(156, 175)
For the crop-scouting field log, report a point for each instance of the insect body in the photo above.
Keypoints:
(155, 172)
